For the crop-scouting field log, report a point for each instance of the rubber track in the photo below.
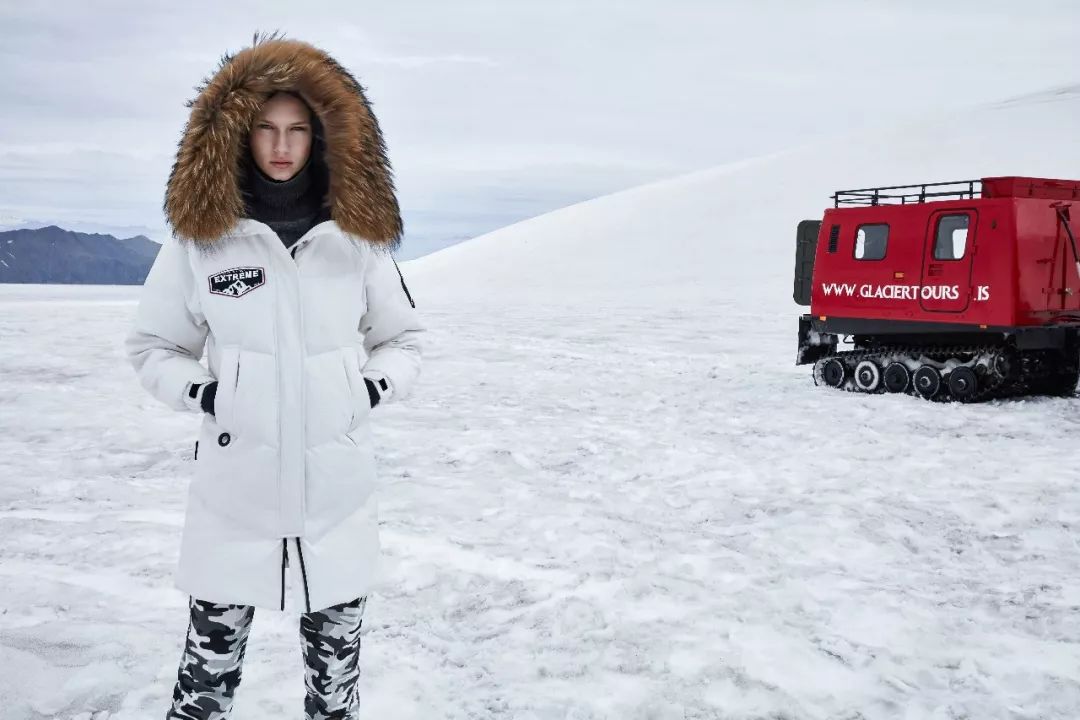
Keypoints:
(992, 385)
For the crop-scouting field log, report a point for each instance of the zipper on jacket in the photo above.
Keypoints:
(303, 574)
(284, 557)
(303, 391)
(196, 449)
(402, 277)
(306, 238)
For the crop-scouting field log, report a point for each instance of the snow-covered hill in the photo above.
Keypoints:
(731, 230)
(612, 494)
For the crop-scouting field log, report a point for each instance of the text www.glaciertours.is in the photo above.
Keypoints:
(901, 292)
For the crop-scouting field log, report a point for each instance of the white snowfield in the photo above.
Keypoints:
(611, 495)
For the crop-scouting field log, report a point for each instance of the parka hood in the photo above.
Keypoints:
(203, 198)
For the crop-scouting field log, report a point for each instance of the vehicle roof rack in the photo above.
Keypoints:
(908, 194)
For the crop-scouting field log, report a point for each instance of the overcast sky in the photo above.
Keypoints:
(498, 111)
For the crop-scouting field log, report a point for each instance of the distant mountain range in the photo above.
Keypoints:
(54, 255)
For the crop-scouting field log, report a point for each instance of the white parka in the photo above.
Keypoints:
(284, 472)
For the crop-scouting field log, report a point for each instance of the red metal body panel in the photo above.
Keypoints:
(1015, 267)
(1027, 187)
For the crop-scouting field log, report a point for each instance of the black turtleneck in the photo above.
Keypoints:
(290, 207)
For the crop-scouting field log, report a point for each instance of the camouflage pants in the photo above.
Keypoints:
(214, 654)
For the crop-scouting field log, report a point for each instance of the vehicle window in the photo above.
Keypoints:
(871, 242)
(950, 241)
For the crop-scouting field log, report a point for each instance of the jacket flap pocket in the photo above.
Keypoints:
(228, 379)
(361, 404)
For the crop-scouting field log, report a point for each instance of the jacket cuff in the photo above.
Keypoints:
(396, 366)
(382, 384)
(194, 404)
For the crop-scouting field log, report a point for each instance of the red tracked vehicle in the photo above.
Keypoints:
(964, 290)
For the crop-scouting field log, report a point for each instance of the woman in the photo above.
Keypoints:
(283, 211)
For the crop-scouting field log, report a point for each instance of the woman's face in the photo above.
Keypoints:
(281, 137)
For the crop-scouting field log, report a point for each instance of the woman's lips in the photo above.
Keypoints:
(281, 163)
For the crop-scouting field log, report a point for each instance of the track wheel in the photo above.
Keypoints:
(834, 372)
(897, 377)
(1002, 364)
(867, 376)
(963, 384)
(927, 381)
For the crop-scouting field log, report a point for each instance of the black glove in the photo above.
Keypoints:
(372, 392)
(206, 398)
(377, 389)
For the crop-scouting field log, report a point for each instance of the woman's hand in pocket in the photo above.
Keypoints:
(200, 396)
(377, 389)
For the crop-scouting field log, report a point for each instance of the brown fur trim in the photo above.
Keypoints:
(203, 199)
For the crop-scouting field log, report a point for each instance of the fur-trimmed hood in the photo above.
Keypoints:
(203, 198)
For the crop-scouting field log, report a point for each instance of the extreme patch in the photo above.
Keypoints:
(237, 282)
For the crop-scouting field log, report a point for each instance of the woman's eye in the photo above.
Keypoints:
(301, 129)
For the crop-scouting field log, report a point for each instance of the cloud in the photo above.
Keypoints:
(414, 62)
(483, 100)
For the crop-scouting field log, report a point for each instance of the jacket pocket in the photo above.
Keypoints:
(228, 381)
(361, 404)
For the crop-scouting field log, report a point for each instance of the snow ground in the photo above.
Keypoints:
(612, 495)
(608, 513)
